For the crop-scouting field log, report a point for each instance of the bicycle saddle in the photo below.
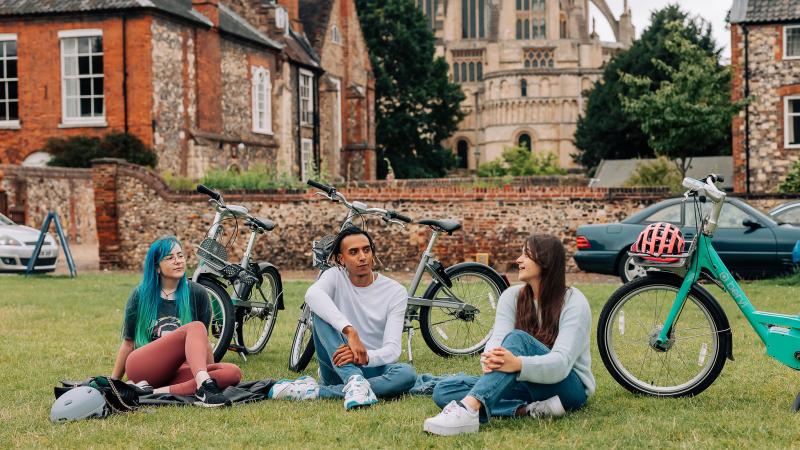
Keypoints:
(446, 225)
(265, 224)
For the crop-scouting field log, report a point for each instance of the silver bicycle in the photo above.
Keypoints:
(456, 312)
(245, 297)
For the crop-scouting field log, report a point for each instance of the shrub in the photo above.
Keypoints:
(659, 172)
(792, 182)
(79, 151)
(519, 161)
(76, 151)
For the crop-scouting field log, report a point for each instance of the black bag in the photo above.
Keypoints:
(119, 395)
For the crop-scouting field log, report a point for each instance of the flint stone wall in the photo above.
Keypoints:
(495, 219)
(39, 190)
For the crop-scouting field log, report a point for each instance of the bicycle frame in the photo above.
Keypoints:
(780, 333)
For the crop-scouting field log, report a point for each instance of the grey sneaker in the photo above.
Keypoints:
(358, 393)
(551, 407)
(209, 395)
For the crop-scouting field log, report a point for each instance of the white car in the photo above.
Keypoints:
(16, 248)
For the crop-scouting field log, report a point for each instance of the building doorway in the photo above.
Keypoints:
(463, 154)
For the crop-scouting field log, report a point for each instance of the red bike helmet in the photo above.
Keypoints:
(660, 240)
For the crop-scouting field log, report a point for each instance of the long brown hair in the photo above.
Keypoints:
(548, 252)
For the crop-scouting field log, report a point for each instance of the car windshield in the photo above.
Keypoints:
(5, 220)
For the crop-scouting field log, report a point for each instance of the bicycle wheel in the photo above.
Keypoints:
(303, 343)
(692, 358)
(453, 331)
(220, 330)
(255, 324)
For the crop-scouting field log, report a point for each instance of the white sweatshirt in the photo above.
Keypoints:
(570, 350)
(376, 312)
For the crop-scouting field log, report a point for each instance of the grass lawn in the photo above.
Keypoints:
(54, 328)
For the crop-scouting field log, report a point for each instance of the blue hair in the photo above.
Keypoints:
(149, 291)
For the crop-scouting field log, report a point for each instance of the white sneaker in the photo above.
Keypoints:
(358, 393)
(454, 419)
(303, 388)
(551, 407)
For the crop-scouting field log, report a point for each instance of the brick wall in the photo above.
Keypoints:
(39, 68)
(771, 78)
(69, 192)
(495, 219)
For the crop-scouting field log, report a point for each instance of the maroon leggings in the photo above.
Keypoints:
(174, 359)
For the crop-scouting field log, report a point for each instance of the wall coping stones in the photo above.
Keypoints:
(46, 172)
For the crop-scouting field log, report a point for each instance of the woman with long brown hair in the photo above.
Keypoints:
(537, 361)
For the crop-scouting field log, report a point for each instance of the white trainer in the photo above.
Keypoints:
(454, 419)
(303, 388)
(358, 393)
(551, 407)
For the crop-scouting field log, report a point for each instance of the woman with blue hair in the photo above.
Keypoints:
(165, 338)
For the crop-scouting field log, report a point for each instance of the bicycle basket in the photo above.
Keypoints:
(322, 250)
(214, 254)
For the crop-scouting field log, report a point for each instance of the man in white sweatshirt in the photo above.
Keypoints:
(358, 317)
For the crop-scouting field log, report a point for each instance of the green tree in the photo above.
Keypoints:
(605, 131)
(658, 172)
(417, 107)
(691, 110)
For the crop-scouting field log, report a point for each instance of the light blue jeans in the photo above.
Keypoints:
(390, 380)
(501, 394)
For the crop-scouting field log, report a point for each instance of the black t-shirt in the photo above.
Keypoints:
(167, 319)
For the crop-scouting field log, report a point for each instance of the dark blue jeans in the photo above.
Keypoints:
(501, 394)
(390, 380)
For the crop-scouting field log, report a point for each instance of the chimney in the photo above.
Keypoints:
(293, 8)
(208, 8)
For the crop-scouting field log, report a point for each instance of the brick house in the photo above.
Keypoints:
(207, 83)
(765, 56)
(347, 90)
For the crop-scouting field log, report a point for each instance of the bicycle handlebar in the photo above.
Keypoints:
(209, 192)
(707, 186)
(396, 215)
(322, 187)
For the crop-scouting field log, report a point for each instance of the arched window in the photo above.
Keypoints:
(527, 5)
(523, 87)
(472, 71)
(527, 29)
(455, 72)
(480, 71)
(519, 5)
(563, 27)
(335, 36)
(463, 72)
(262, 101)
(473, 13)
(463, 154)
(519, 29)
(524, 141)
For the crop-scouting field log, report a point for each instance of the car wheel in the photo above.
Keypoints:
(627, 270)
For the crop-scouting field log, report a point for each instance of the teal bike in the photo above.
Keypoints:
(665, 335)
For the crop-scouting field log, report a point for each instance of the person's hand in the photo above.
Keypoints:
(501, 360)
(343, 355)
(360, 356)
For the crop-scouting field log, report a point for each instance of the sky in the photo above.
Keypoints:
(714, 11)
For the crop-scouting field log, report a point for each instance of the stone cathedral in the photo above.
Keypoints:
(523, 65)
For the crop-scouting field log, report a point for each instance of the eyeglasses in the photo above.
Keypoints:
(174, 258)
